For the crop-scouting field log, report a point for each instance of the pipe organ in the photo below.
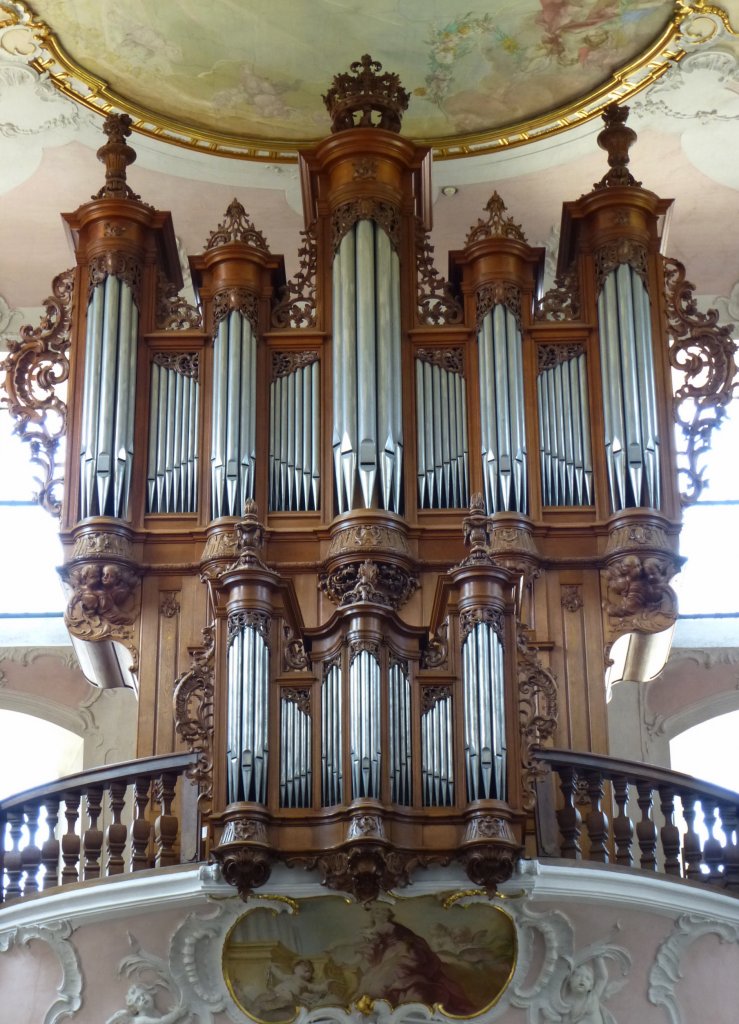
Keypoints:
(368, 534)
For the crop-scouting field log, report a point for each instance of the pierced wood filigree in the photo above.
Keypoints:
(613, 254)
(472, 617)
(496, 225)
(185, 363)
(363, 98)
(173, 312)
(237, 227)
(549, 356)
(298, 695)
(295, 654)
(562, 302)
(437, 303)
(431, 695)
(296, 304)
(451, 359)
(249, 619)
(284, 363)
(705, 354)
(34, 367)
(193, 713)
(122, 265)
(386, 215)
(497, 293)
(435, 652)
(240, 300)
(381, 583)
(537, 713)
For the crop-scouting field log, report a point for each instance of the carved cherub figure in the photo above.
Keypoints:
(141, 1009)
(582, 992)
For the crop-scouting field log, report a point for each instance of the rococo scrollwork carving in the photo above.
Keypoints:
(296, 305)
(122, 265)
(379, 582)
(364, 868)
(497, 293)
(562, 301)
(284, 363)
(703, 352)
(537, 712)
(185, 363)
(472, 617)
(240, 300)
(436, 302)
(451, 359)
(173, 312)
(249, 619)
(384, 214)
(237, 227)
(34, 367)
(295, 654)
(496, 225)
(435, 651)
(638, 592)
(613, 254)
(193, 713)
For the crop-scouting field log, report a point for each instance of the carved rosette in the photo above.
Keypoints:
(640, 562)
(34, 367)
(244, 852)
(537, 713)
(193, 713)
(704, 354)
(490, 850)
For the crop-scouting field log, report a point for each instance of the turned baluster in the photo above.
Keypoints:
(623, 830)
(596, 822)
(116, 832)
(166, 825)
(713, 851)
(3, 829)
(70, 839)
(31, 855)
(692, 854)
(568, 817)
(141, 828)
(728, 814)
(669, 833)
(93, 841)
(50, 848)
(13, 855)
(646, 830)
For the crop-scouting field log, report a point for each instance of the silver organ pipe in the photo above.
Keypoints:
(629, 397)
(441, 436)
(106, 443)
(233, 444)
(173, 444)
(437, 771)
(247, 702)
(294, 445)
(332, 776)
(364, 728)
(295, 751)
(484, 713)
(399, 723)
(564, 427)
(367, 435)
(502, 411)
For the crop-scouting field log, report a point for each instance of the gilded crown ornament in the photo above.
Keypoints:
(362, 92)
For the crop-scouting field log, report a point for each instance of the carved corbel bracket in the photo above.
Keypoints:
(244, 853)
(490, 849)
(369, 560)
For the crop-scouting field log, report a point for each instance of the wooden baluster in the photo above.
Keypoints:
(646, 830)
(3, 830)
(568, 818)
(669, 833)
(116, 833)
(713, 852)
(93, 841)
(166, 825)
(597, 822)
(31, 854)
(731, 853)
(50, 848)
(13, 855)
(623, 830)
(70, 840)
(141, 828)
(692, 854)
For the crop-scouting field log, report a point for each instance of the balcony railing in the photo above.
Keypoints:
(622, 812)
(52, 835)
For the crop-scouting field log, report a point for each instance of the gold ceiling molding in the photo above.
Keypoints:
(25, 36)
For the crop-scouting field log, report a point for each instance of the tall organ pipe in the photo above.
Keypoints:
(364, 732)
(502, 422)
(106, 444)
(630, 401)
(247, 704)
(233, 445)
(484, 713)
(332, 777)
(367, 406)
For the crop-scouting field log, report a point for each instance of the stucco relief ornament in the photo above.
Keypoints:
(56, 935)
(149, 975)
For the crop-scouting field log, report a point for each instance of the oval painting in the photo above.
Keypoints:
(456, 959)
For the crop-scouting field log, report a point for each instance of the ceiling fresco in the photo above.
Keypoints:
(236, 75)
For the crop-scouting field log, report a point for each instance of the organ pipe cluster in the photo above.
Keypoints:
(174, 406)
(295, 440)
(248, 711)
(441, 436)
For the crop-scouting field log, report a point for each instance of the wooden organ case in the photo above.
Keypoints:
(408, 517)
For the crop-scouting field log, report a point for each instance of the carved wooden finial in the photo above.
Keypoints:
(363, 91)
(477, 529)
(237, 227)
(496, 226)
(116, 154)
(616, 138)
(250, 537)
